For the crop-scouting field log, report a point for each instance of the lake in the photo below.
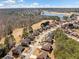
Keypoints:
(48, 14)
(53, 14)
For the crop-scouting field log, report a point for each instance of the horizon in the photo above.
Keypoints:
(39, 4)
(38, 8)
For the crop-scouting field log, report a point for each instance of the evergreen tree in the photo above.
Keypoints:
(27, 30)
(9, 42)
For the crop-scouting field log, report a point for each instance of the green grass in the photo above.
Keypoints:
(66, 48)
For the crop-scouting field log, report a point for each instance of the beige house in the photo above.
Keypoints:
(77, 17)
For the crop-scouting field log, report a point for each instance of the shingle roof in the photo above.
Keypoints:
(18, 50)
(43, 55)
(8, 57)
(25, 42)
(47, 47)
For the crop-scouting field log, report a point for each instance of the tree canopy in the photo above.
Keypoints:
(65, 17)
(26, 31)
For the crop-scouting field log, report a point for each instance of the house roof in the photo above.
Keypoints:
(31, 36)
(18, 50)
(35, 32)
(25, 41)
(8, 57)
(43, 55)
(47, 47)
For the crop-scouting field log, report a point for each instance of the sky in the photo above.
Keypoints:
(39, 3)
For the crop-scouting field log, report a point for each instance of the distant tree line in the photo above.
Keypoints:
(10, 20)
(51, 18)
(16, 18)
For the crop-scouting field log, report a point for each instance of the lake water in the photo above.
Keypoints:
(48, 14)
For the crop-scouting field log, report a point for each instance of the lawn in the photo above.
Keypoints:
(66, 48)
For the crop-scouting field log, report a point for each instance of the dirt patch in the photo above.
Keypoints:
(37, 25)
(2, 40)
(17, 33)
(77, 30)
(37, 52)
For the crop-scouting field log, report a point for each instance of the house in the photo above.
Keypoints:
(8, 57)
(70, 25)
(51, 35)
(33, 56)
(43, 55)
(11, 43)
(73, 26)
(76, 26)
(40, 30)
(77, 17)
(45, 25)
(49, 38)
(17, 51)
(31, 37)
(36, 32)
(22, 56)
(25, 42)
(47, 47)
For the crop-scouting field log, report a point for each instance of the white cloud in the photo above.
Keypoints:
(1, 5)
(35, 4)
(14, 4)
(10, 1)
(21, 0)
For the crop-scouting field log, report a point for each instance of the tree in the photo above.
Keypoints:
(26, 31)
(57, 18)
(65, 17)
(8, 30)
(9, 42)
(72, 15)
(2, 50)
(29, 29)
